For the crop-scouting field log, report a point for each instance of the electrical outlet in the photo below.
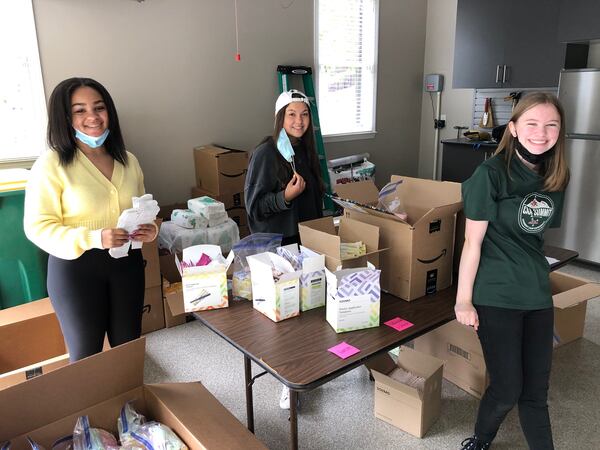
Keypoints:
(443, 117)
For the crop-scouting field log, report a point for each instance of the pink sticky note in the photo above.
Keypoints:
(343, 350)
(398, 324)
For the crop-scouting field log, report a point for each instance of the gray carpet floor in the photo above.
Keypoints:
(339, 415)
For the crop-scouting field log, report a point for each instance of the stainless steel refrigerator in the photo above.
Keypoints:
(579, 93)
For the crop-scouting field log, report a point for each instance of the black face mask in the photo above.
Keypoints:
(530, 157)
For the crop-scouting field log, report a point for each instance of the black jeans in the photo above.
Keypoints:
(517, 348)
(95, 295)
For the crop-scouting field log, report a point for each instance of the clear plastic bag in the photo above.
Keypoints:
(250, 245)
(136, 433)
(63, 443)
(87, 438)
(390, 201)
(5, 445)
(34, 445)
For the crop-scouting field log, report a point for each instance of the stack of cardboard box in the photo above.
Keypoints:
(220, 174)
(153, 317)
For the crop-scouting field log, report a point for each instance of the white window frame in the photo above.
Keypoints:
(348, 136)
(19, 16)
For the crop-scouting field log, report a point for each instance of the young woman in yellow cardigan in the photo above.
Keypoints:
(74, 197)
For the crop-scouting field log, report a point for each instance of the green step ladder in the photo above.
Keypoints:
(283, 72)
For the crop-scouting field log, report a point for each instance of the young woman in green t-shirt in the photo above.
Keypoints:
(503, 285)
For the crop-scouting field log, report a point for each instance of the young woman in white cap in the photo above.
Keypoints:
(284, 184)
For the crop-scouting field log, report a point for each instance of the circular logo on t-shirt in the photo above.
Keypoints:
(535, 211)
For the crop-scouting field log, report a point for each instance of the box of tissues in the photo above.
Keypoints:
(203, 272)
(312, 280)
(275, 286)
(353, 297)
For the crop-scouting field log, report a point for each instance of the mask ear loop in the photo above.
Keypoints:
(293, 164)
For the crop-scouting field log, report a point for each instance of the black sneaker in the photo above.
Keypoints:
(472, 443)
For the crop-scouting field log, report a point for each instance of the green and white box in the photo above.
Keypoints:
(353, 298)
(312, 281)
(276, 296)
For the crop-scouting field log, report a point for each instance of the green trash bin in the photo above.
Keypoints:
(23, 266)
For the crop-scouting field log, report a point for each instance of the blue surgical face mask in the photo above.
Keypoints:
(284, 146)
(91, 141)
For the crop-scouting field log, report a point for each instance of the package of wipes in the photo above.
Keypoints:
(187, 218)
(212, 210)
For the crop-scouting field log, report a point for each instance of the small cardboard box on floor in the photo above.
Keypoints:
(419, 259)
(46, 408)
(220, 170)
(412, 407)
(459, 345)
(31, 342)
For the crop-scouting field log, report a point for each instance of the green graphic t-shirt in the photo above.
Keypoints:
(513, 271)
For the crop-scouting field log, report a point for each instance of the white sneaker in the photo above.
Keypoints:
(284, 400)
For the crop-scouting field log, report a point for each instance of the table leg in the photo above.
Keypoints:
(294, 419)
(249, 400)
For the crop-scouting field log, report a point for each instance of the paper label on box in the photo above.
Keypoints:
(205, 291)
(357, 312)
(286, 302)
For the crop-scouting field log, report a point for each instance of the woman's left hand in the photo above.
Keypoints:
(145, 233)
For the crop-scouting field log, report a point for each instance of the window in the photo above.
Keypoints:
(22, 102)
(346, 58)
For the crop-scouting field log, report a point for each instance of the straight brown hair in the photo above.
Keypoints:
(554, 170)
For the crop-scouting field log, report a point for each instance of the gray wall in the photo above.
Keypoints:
(170, 67)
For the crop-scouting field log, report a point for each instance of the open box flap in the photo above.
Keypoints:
(41, 400)
(412, 396)
(576, 295)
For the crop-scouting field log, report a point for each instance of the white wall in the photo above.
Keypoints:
(439, 58)
(170, 67)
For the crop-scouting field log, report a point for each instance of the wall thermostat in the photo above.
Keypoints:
(434, 82)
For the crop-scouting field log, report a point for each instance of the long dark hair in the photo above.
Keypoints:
(61, 135)
(284, 171)
(554, 170)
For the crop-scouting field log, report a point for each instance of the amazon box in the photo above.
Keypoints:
(220, 170)
(420, 249)
(46, 407)
(31, 342)
(408, 392)
(459, 346)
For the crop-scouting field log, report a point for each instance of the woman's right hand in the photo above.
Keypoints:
(294, 188)
(114, 237)
(466, 314)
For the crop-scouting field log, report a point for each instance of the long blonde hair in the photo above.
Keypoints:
(554, 170)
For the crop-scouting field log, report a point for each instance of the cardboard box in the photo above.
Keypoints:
(173, 303)
(459, 347)
(235, 200)
(420, 255)
(353, 298)
(153, 316)
(46, 408)
(322, 236)
(407, 407)
(204, 287)
(570, 295)
(31, 342)
(220, 170)
(278, 299)
(312, 280)
(151, 264)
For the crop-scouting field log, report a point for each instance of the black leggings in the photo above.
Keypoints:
(95, 295)
(517, 347)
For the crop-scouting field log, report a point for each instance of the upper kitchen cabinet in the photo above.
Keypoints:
(579, 20)
(511, 44)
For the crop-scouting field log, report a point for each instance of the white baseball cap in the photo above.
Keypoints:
(287, 97)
